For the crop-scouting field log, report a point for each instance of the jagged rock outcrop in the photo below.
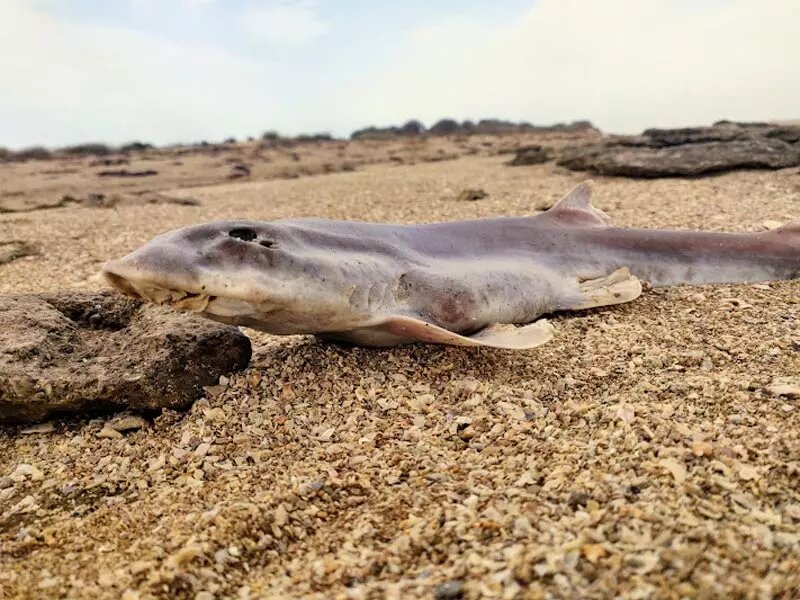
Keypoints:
(74, 352)
(689, 151)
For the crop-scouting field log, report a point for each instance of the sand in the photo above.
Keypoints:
(645, 452)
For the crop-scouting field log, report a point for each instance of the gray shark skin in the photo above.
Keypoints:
(463, 283)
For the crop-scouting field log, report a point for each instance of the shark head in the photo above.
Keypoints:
(266, 275)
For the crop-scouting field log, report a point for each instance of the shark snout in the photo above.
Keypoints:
(161, 268)
(116, 280)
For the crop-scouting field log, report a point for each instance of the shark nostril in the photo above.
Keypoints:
(266, 243)
(243, 233)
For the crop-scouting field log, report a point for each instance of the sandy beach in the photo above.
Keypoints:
(641, 453)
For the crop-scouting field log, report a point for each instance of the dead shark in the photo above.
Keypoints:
(465, 283)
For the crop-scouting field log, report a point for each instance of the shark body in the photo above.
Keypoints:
(462, 283)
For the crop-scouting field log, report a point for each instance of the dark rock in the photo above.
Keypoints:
(239, 170)
(788, 134)
(578, 499)
(11, 251)
(98, 200)
(441, 157)
(126, 173)
(686, 160)
(749, 124)
(659, 138)
(470, 195)
(689, 151)
(71, 352)
(109, 162)
(529, 155)
(450, 590)
(21, 202)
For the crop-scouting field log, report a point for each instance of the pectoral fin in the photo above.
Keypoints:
(616, 288)
(495, 336)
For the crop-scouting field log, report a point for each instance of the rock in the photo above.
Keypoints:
(97, 200)
(450, 590)
(677, 469)
(109, 162)
(127, 423)
(529, 155)
(702, 448)
(688, 160)
(127, 173)
(577, 499)
(661, 138)
(101, 200)
(70, 352)
(239, 170)
(46, 427)
(107, 432)
(11, 251)
(689, 152)
(788, 134)
(470, 195)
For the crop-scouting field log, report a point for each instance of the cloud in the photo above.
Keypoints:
(625, 65)
(67, 82)
(283, 22)
(186, 2)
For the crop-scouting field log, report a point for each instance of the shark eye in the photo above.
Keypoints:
(244, 234)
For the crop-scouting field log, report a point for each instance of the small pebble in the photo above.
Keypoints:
(451, 590)
(47, 427)
(108, 432)
(129, 423)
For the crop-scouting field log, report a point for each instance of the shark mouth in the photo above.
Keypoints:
(178, 299)
(192, 302)
(185, 301)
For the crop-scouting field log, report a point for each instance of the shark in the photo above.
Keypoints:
(485, 282)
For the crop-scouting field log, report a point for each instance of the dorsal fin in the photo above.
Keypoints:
(576, 208)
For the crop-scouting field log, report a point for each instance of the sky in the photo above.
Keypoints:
(171, 71)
